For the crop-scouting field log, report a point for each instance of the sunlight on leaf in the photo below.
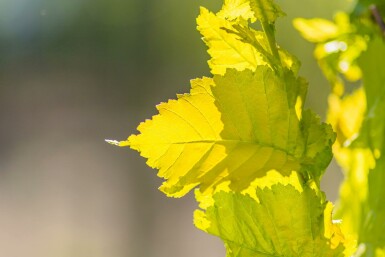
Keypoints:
(233, 128)
(283, 222)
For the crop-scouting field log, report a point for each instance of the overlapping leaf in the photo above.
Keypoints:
(279, 221)
(232, 43)
(234, 128)
(237, 9)
(262, 10)
(225, 49)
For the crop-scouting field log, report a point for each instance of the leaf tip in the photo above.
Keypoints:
(116, 142)
(112, 142)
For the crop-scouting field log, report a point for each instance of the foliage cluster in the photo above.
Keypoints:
(349, 52)
(255, 156)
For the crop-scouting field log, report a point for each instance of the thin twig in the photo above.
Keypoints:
(378, 18)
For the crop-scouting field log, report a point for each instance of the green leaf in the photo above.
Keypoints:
(226, 49)
(372, 234)
(233, 44)
(262, 10)
(374, 80)
(373, 72)
(374, 127)
(235, 9)
(266, 10)
(280, 220)
(319, 139)
(233, 128)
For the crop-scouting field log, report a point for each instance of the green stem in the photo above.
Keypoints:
(268, 29)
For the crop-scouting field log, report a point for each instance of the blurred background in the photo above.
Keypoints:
(74, 72)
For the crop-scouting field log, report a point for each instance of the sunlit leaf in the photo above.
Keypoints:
(235, 9)
(234, 128)
(266, 10)
(226, 49)
(316, 30)
(262, 10)
(279, 221)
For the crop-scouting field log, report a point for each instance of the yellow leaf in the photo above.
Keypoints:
(225, 49)
(316, 30)
(262, 10)
(233, 128)
(234, 9)
(282, 222)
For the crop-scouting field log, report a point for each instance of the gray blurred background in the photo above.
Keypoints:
(74, 72)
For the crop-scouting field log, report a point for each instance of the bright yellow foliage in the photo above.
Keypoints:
(237, 9)
(226, 50)
(232, 128)
(280, 220)
(244, 139)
